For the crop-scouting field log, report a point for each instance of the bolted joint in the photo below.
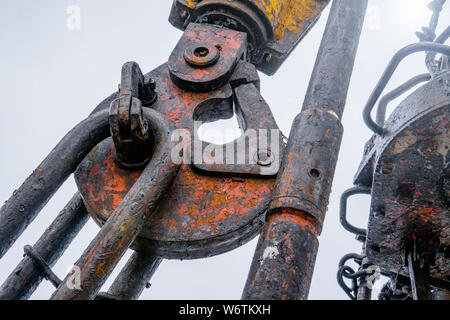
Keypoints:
(274, 28)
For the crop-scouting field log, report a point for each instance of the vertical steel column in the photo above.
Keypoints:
(125, 223)
(419, 275)
(284, 260)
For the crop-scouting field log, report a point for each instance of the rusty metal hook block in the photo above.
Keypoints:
(209, 208)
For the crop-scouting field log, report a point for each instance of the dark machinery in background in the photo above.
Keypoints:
(405, 169)
(123, 155)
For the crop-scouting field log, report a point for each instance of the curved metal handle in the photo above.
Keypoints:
(343, 209)
(388, 72)
(397, 92)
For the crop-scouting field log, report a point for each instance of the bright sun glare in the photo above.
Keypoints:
(412, 13)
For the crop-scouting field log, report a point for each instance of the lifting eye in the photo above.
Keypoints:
(221, 131)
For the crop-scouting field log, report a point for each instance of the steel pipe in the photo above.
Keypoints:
(125, 223)
(135, 276)
(25, 278)
(26, 202)
(284, 260)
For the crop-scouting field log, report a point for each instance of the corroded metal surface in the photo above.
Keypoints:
(204, 208)
(274, 27)
(286, 254)
(204, 43)
(127, 220)
(201, 214)
(135, 276)
(303, 184)
(129, 130)
(25, 278)
(410, 194)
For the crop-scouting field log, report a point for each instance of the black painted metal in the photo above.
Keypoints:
(343, 209)
(42, 265)
(135, 276)
(388, 97)
(26, 202)
(25, 278)
(309, 163)
(125, 223)
(419, 274)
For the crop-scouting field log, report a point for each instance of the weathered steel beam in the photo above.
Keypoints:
(284, 259)
(25, 278)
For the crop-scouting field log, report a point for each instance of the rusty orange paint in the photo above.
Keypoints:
(197, 206)
(294, 216)
(288, 18)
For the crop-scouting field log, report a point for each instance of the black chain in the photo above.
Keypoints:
(348, 272)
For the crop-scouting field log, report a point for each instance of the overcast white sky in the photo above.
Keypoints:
(52, 77)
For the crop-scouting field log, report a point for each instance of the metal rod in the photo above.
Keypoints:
(135, 276)
(25, 278)
(389, 71)
(429, 60)
(25, 203)
(419, 275)
(343, 209)
(42, 265)
(364, 292)
(125, 223)
(397, 92)
(284, 260)
(349, 273)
